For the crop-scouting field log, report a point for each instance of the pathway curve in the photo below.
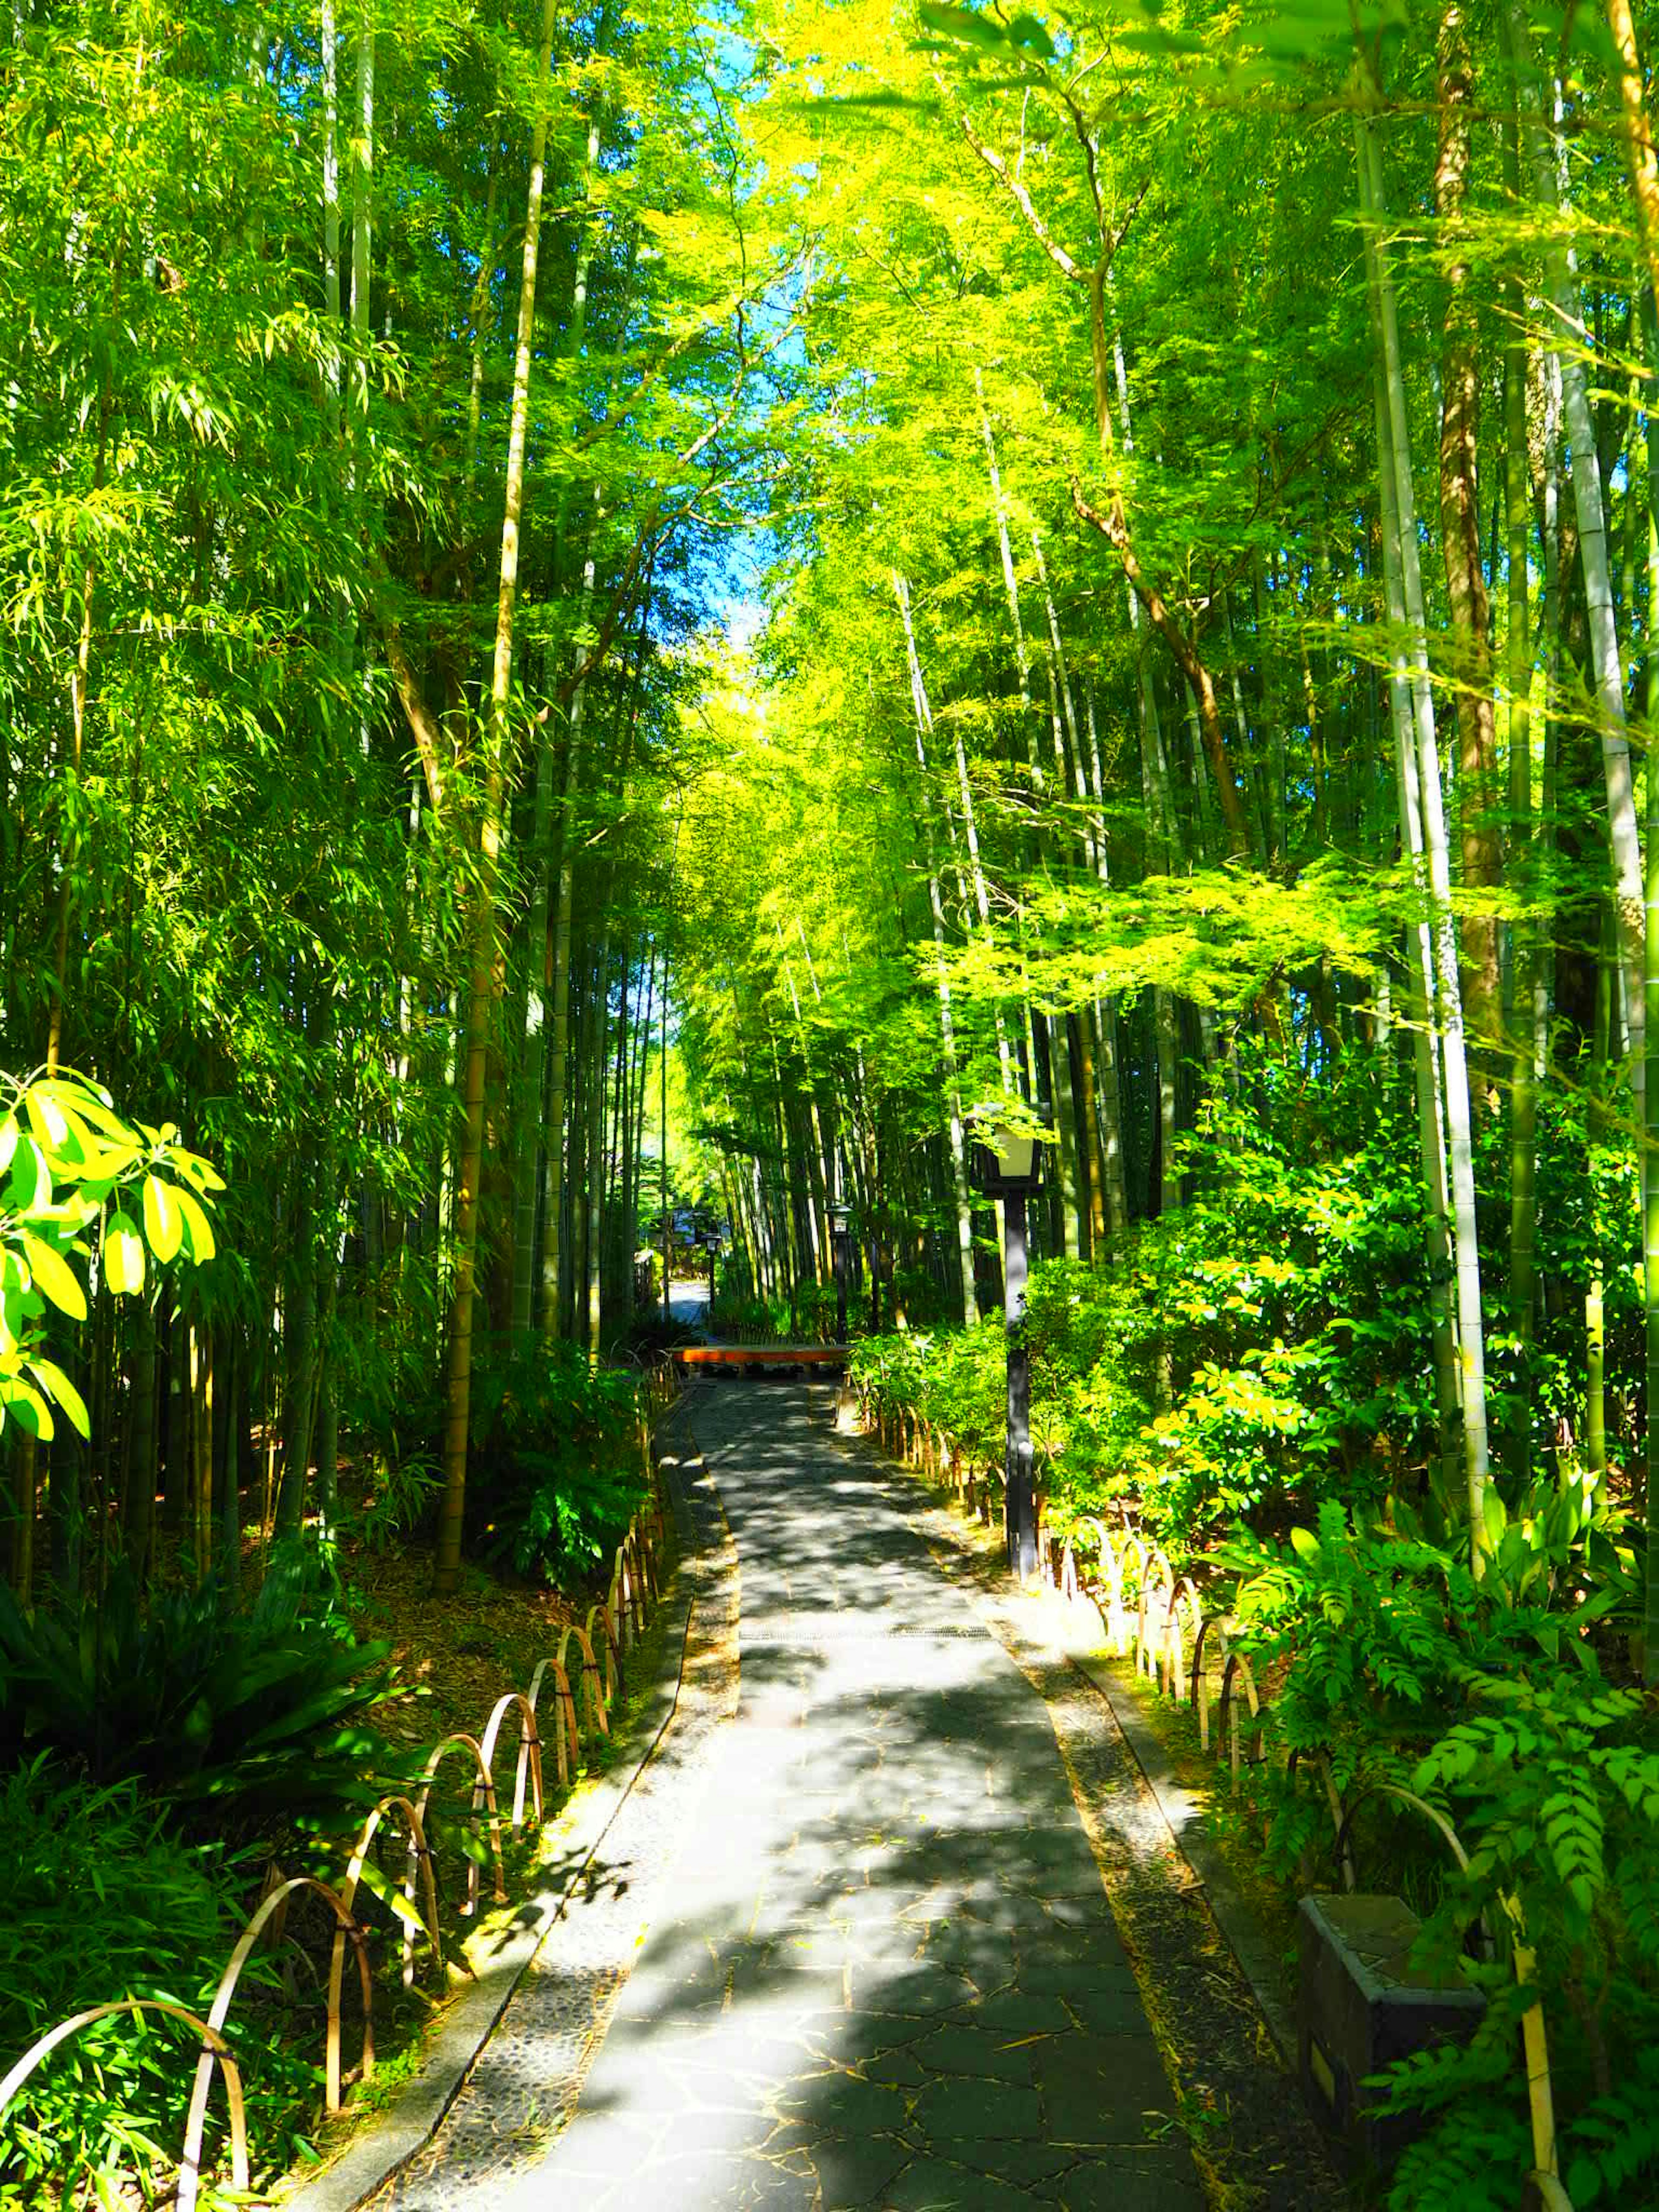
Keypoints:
(688, 1305)
(878, 1967)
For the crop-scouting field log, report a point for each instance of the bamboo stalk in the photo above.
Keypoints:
(484, 981)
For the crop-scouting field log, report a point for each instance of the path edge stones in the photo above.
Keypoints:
(388, 2143)
(1183, 1815)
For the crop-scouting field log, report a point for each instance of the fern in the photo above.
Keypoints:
(1635, 1774)
(1615, 2139)
(1464, 2074)
(1469, 2163)
(1637, 1887)
(1571, 1818)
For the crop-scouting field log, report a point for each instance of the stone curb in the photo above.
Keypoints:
(1258, 1958)
(388, 2143)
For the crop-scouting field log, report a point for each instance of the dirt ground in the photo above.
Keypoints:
(459, 1655)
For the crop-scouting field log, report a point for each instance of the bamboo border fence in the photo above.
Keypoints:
(586, 1681)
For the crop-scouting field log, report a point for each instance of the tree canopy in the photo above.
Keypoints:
(621, 610)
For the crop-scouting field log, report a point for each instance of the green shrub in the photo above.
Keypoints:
(1553, 1784)
(102, 1903)
(649, 1336)
(815, 1313)
(1262, 1358)
(556, 1472)
(399, 1497)
(1486, 1699)
(1267, 1344)
(748, 1318)
(1088, 1410)
(248, 1715)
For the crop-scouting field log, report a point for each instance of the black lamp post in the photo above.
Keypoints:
(1007, 1163)
(840, 1237)
(712, 1245)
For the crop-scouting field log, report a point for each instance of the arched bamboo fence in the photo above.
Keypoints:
(583, 1712)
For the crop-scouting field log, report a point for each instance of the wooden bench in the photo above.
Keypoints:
(760, 1358)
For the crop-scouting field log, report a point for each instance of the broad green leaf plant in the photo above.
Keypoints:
(86, 1194)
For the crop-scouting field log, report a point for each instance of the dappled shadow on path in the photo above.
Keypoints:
(885, 1972)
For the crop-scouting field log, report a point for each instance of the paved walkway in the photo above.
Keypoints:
(688, 1304)
(875, 1962)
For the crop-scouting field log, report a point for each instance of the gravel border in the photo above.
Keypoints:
(1257, 1955)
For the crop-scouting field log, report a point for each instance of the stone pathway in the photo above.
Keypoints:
(876, 1965)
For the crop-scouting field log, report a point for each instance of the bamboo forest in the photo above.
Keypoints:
(829, 1104)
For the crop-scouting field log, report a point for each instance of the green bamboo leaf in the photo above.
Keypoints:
(394, 1900)
(27, 1407)
(124, 1255)
(1025, 31)
(57, 1386)
(201, 1175)
(1494, 1515)
(963, 26)
(30, 1187)
(54, 1277)
(47, 1118)
(85, 1103)
(198, 1230)
(163, 1223)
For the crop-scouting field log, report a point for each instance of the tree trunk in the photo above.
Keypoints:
(362, 189)
(1651, 1130)
(598, 1026)
(1407, 689)
(176, 1473)
(1111, 1115)
(1645, 178)
(1624, 838)
(1449, 1021)
(947, 1037)
(1273, 717)
(1065, 1136)
(330, 45)
(534, 1167)
(1168, 1183)
(138, 1512)
(298, 1352)
(201, 1401)
(78, 681)
(1089, 1128)
(1525, 965)
(325, 1435)
(485, 982)
(230, 1363)
(527, 1132)
(553, 1169)
(818, 1195)
(480, 308)
(1460, 530)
